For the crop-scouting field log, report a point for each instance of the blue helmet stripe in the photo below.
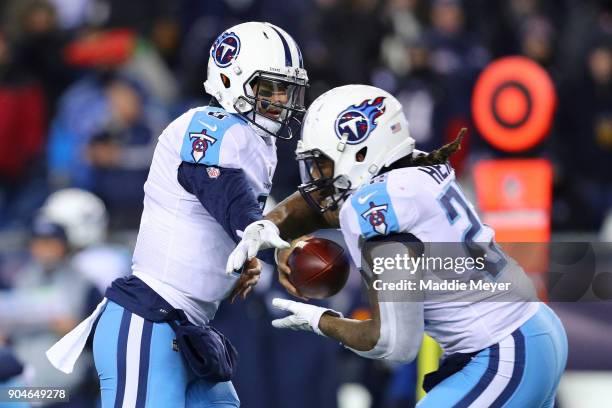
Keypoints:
(299, 55)
(288, 60)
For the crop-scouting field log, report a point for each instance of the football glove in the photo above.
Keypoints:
(258, 235)
(304, 316)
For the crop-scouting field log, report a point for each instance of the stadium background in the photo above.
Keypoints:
(86, 86)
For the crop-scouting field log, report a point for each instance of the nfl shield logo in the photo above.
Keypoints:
(213, 172)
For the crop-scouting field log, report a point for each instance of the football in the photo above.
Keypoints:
(319, 268)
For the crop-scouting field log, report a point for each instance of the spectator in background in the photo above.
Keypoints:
(454, 50)
(201, 21)
(68, 255)
(422, 97)
(403, 16)
(84, 218)
(23, 115)
(538, 42)
(103, 140)
(38, 44)
(502, 23)
(344, 42)
(583, 23)
(457, 58)
(36, 312)
(584, 126)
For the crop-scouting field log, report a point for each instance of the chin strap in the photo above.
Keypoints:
(267, 124)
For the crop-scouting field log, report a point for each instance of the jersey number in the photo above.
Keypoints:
(495, 260)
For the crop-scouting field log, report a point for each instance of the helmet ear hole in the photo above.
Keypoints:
(361, 154)
(225, 80)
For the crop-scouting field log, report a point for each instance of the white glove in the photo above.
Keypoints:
(258, 235)
(305, 317)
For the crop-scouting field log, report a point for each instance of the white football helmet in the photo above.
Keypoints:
(81, 214)
(350, 134)
(256, 70)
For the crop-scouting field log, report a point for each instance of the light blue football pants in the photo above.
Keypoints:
(523, 370)
(138, 367)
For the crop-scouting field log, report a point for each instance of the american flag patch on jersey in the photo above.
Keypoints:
(213, 172)
(396, 127)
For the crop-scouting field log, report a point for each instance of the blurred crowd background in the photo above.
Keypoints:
(86, 87)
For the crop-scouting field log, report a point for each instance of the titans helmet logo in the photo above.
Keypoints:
(225, 49)
(375, 215)
(199, 144)
(358, 121)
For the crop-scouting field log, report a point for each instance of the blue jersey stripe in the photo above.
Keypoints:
(288, 59)
(517, 371)
(486, 378)
(143, 371)
(124, 329)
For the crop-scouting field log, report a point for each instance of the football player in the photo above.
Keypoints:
(359, 163)
(210, 175)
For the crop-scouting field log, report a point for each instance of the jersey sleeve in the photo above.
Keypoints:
(225, 193)
(375, 210)
(213, 138)
(211, 170)
(351, 232)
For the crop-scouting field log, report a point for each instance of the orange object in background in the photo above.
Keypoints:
(513, 104)
(515, 199)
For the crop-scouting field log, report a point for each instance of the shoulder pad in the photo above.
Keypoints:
(374, 209)
(203, 138)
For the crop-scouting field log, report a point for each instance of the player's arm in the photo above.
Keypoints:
(227, 196)
(395, 329)
(360, 335)
(294, 217)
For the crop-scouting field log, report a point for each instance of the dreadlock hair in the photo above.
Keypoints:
(441, 155)
(438, 156)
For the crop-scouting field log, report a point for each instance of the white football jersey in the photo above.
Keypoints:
(427, 203)
(181, 250)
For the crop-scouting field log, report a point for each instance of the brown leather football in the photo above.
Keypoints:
(319, 268)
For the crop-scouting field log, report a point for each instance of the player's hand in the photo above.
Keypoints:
(258, 235)
(284, 271)
(304, 317)
(248, 279)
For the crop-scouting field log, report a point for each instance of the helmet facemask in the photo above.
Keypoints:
(320, 189)
(273, 103)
